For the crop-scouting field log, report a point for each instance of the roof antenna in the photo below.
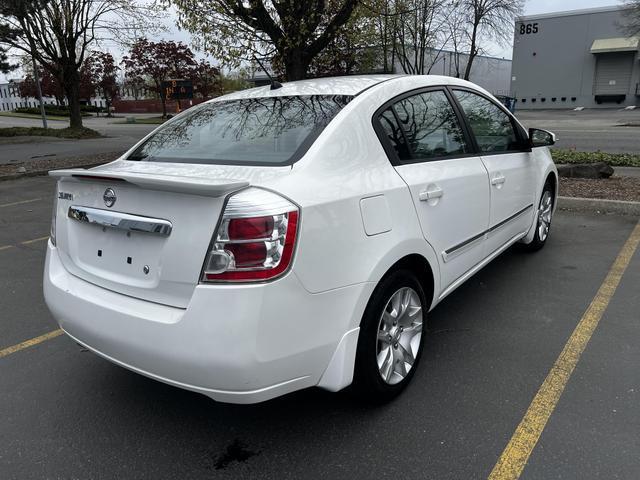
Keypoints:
(274, 83)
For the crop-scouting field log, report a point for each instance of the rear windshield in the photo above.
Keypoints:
(252, 131)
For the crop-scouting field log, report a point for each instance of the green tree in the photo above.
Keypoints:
(6, 34)
(295, 31)
(352, 50)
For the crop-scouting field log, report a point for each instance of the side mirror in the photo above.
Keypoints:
(541, 138)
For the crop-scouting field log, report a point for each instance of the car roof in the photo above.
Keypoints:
(345, 85)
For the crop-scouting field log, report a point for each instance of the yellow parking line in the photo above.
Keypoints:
(516, 455)
(26, 242)
(30, 343)
(20, 202)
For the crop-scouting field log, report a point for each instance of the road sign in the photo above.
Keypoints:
(177, 89)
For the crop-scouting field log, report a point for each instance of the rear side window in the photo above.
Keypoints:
(428, 125)
(394, 133)
(252, 131)
(492, 127)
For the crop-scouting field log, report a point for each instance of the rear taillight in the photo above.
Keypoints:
(255, 239)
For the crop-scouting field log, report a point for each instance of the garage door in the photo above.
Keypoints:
(613, 73)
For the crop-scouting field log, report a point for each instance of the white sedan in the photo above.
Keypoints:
(292, 236)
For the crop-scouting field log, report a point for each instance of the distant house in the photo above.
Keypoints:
(10, 98)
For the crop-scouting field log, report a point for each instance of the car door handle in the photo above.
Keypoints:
(430, 193)
(498, 180)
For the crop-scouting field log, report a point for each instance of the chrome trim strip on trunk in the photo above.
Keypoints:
(120, 221)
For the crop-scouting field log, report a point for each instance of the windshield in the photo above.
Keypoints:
(251, 131)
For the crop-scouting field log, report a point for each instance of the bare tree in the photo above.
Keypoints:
(487, 19)
(458, 38)
(385, 18)
(631, 25)
(59, 34)
(420, 31)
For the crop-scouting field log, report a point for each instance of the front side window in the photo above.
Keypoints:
(430, 126)
(491, 126)
(252, 131)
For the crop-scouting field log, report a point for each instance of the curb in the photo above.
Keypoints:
(595, 205)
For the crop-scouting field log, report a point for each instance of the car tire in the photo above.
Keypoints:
(391, 337)
(544, 215)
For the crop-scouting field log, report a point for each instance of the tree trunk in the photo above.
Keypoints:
(472, 52)
(296, 65)
(72, 91)
(164, 106)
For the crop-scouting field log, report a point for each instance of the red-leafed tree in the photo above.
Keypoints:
(103, 73)
(206, 80)
(87, 81)
(157, 62)
(49, 84)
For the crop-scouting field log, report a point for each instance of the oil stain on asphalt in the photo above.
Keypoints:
(237, 451)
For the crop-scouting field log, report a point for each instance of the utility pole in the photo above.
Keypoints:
(37, 78)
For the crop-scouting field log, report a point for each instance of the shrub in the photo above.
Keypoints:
(76, 133)
(613, 159)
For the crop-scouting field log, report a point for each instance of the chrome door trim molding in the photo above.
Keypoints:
(509, 219)
(462, 247)
(120, 221)
(465, 276)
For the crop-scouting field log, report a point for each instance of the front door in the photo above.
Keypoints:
(509, 165)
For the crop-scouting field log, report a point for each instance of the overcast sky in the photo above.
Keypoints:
(532, 7)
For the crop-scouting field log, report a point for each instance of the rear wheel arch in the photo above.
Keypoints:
(420, 267)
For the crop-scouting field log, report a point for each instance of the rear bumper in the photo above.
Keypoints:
(233, 343)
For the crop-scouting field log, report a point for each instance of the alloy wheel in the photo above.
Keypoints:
(544, 215)
(399, 333)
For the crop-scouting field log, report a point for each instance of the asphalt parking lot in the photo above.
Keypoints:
(66, 413)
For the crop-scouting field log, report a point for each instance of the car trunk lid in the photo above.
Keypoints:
(143, 230)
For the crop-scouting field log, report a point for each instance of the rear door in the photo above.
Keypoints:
(507, 158)
(425, 141)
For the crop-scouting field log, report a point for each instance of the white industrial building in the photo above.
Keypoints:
(580, 58)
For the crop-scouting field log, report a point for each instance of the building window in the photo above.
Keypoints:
(573, 99)
(533, 100)
(564, 99)
(553, 99)
(524, 100)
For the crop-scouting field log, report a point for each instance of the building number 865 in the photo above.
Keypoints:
(528, 28)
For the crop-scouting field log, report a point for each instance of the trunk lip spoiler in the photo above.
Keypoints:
(210, 187)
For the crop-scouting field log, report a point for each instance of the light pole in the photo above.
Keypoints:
(37, 78)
